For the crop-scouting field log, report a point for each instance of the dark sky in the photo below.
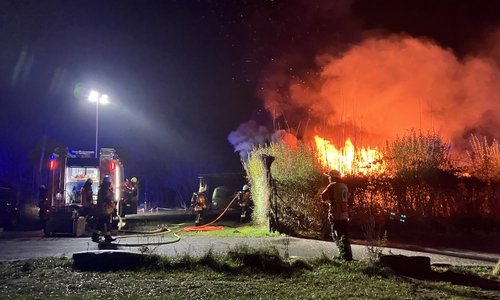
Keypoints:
(184, 74)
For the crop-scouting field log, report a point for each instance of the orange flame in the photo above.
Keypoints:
(347, 160)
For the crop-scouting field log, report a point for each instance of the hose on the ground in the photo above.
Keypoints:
(162, 229)
(207, 227)
(177, 238)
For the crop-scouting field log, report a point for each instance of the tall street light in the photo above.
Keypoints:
(98, 99)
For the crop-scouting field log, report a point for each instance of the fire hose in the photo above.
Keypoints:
(162, 230)
(207, 227)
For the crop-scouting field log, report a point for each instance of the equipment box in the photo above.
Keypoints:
(79, 226)
(65, 221)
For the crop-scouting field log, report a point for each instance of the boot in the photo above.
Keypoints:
(95, 237)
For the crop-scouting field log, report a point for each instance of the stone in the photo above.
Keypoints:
(411, 266)
(107, 260)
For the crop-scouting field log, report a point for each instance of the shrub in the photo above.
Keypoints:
(416, 155)
(422, 182)
(290, 198)
(484, 159)
(496, 269)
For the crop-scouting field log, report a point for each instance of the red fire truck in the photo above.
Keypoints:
(68, 172)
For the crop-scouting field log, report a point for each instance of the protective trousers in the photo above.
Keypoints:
(200, 216)
(340, 235)
(103, 227)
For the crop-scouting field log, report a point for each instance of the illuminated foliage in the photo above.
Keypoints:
(416, 154)
(420, 181)
(289, 200)
(484, 159)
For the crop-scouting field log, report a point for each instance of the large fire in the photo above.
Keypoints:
(349, 160)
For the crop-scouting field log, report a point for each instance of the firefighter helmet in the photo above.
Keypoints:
(245, 188)
(106, 179)
(333, 173)
(133, 180)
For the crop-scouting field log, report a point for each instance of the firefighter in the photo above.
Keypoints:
(199, 204)
(127, 191)
(104, 211)
(43, 203)
(337, 195)
(135, 189)
(86, 198)
(245, 203)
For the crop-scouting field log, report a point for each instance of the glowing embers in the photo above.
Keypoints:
(349, 160)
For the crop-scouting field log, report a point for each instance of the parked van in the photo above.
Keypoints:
(223, 195)
(222, 187)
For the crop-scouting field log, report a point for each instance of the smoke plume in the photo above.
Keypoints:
(384, 86)
(250, 135)
(372, 87)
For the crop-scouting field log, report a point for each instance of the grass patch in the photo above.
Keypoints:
(243, 273)
(230, 229)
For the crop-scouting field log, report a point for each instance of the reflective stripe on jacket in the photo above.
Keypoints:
(337, 195)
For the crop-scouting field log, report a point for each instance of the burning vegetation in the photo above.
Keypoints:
(415, 176)
(354, 112)
(348, 159)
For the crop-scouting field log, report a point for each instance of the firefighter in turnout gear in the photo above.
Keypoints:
(127, 189)
(337, 195)
(199, 204)
(104, 211)
(245, 203)
(135, 189)
(86, 198)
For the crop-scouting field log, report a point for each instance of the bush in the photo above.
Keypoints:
(421, 182)
(289, 199)
(496, 269)
(484, 159)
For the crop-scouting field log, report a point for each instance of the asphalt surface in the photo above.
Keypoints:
(20, 245)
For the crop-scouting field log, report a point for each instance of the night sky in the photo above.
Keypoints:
(183, 75)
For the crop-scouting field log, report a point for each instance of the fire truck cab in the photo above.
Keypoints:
(69, 170)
